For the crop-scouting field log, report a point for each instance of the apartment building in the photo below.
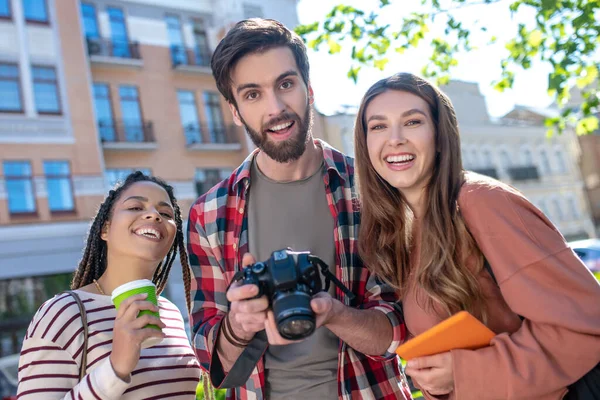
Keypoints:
(90, 91)
(515, 149)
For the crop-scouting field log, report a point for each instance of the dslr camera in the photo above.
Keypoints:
(289, 279)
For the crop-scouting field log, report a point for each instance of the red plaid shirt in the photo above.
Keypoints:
(217, 240)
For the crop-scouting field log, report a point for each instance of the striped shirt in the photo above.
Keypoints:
(51, 355)
(217, 240)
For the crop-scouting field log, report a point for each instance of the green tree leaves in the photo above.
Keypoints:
(562, 33)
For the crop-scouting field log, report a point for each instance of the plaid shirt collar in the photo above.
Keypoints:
(242, 173)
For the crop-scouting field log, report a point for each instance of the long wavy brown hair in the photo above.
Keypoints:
(386, 219)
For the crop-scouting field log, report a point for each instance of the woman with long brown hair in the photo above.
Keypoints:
(429, 228)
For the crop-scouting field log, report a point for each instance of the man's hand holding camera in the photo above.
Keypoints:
(248, 315)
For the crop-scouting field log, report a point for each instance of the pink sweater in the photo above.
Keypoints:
(51, 355)
(540, 278)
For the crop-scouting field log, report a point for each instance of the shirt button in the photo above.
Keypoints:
(241, 210)
(234, 246)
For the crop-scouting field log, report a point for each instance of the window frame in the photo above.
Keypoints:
(95, 17)
(112, 109)
(37, 21)
(212, 101)
(6, 177)
(69, 178)
(128, 41)
(9, 16)
(57, 87)
(18, 80)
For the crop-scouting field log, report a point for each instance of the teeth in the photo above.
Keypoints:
(281, 126)
(153, 233)
(402, 158)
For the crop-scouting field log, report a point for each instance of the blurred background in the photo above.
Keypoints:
(93, 90)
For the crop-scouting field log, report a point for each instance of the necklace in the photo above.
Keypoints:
(98, 287)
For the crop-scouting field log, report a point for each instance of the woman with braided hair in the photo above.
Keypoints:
(136, 234)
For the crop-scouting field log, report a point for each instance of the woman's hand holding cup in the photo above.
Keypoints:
(130, 331)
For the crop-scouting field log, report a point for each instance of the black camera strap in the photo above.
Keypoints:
(244, 365)
(330, 277)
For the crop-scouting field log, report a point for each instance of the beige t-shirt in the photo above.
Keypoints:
(295, 214)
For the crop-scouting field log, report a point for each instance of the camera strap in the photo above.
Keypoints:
(330, 277)
(243, 367)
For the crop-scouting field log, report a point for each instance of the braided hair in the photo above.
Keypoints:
(93, 262)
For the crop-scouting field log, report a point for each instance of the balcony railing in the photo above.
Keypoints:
(196, 57)
(202, 134)
(113, 48)
(126, 131)
(523, 173)
(488, 171)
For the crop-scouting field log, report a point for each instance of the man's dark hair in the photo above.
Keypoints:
(254, 35)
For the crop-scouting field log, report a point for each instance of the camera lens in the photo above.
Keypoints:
(294, 317)
(298, 327)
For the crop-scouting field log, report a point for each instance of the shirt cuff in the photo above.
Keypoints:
(105, 381)
(398, 331)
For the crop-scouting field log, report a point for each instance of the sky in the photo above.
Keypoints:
(334, 90)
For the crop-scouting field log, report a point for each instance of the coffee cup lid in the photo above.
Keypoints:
(131, 285)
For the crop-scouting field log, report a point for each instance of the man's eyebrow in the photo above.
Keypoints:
(145, 199)
(245, 86)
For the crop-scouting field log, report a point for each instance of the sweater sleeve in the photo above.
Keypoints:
(542, 280)
(48, 371)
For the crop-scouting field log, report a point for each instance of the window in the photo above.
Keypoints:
(544, 161)
(118, 31)
(189, 116)
(573, 208)
(505, 159)
(116, 175)
(527, 157)
(178, 52)
(466, 160)
(132, 115)
(202, 50)
(59, 187)
(214, 117)
(45, 87)
(487, 158)
(104, 112)
(474, 158)
(252, 11)
(19, 186)
(35, 11)
(207, 178)
(10, 100)
(558, 209)
(90, 21)
(4, 8)
(560, 161)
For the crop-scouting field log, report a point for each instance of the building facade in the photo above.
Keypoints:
(93, 90)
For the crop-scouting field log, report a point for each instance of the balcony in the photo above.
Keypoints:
(208, 137)
(487, 171)
(523, 173)
(195, 60)
(114, 53)
(127, 135)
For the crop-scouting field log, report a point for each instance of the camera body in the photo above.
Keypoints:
(289, 279)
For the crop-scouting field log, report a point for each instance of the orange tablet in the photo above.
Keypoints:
(460, 331)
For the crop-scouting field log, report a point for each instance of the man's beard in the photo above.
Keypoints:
(288, 150)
